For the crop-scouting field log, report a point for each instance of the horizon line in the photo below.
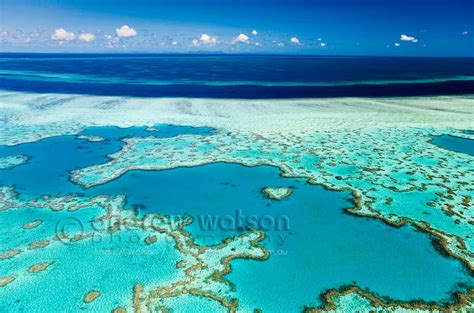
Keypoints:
(204, 54)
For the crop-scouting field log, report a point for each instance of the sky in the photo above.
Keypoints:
(337, 27)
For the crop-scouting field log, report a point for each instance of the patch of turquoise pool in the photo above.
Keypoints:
(159, 131)
(454, 143)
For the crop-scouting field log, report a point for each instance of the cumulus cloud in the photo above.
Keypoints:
(404, 37)
(61, 34)
(323, 44)
(174, 43)
(87, 37)
(125, 31)
(254, 32)
(241, 38)
(397, 44)
(295, 40)
(465, 33)
(205, 39)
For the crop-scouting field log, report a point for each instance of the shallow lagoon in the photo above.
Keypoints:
(51, 159)
(110, 266)
(454, 143)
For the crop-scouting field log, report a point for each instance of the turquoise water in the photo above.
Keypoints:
(454, 143)
(194, 304)
(323, 247)
(320, 247)
(158, 131)
(112, 265)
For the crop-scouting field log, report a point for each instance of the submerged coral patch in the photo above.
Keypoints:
(278, 193)
(12, 161)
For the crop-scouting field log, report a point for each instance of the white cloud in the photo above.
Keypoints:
(126, 31)
(397, 44)
(254, 32)
(111, 41)
(87, 37)
(319, 39)
(465, 33)
(174, 43)
(295, 40)
(61, 34)
(280, 44)
(241, 38)
(206, 39)
(323, 44)
(404, 37)
(258, 44)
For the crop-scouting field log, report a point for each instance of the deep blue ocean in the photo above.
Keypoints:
(235, 76)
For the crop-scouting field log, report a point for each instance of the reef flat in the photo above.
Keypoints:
(278, 193)
(12, 161)
(379, 150)
(34, 116)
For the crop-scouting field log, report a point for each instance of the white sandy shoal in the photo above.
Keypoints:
(258, 116)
